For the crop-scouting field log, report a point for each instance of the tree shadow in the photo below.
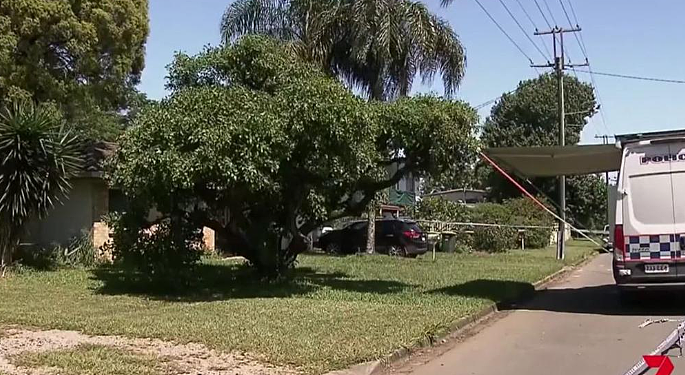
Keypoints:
(605, 300)
(598, 299)
(501, 292)
(210, 282)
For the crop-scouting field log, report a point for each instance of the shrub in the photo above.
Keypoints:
(526, 212)
(494, 239)
(437, 208)
(164, 250)
(78, 252)
(464, 242)
(519, 211)
(491, 213)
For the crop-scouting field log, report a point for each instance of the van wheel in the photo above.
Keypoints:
(333, 248)
(397, 251)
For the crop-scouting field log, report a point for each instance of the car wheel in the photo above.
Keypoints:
(397, 251)
(333, 248)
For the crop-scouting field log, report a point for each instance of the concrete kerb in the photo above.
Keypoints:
(376, 367)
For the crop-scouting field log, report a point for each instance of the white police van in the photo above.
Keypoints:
(649, 228)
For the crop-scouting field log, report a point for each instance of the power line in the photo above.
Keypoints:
(666, 80)
(599, 99)
(485, 104)
(549, 9)
(543, 14)
(503, 31)
(587, 59)
(550, 12)
(523, 30)
(534, 26)
(571, 24)
(582, 41)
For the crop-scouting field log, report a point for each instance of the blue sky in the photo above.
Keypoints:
(634, 37)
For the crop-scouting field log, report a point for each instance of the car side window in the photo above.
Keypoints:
(387, 227)
(358, 226)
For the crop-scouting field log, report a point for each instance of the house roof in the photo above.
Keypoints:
(94, 155)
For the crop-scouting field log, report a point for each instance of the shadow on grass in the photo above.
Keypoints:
(209, 282)
(498, 291)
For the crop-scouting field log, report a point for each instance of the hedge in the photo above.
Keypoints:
(519, 211)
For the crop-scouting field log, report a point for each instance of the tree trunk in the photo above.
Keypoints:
(371, 228)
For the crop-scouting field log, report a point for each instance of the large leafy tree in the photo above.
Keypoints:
(260, 146)
(86, 56)
(376, 46)
(529, 117)
(38, 157)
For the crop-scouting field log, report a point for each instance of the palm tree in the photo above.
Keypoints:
(377, 46)
(38, 158)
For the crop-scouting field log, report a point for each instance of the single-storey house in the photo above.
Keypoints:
(467, 196)
(82, 211)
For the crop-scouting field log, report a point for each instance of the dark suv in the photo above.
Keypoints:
(396, 237)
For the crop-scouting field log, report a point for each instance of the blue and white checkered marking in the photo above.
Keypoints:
(665, 247)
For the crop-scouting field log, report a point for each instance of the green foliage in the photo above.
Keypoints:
(525, 212)
(494, 239)
(251, 131)
(163, 251)
(587, 198)
(377, 46)
(78, 252)
(437, 208)
(513, 212)
(85, 56)
(39, 156)
(529, 116)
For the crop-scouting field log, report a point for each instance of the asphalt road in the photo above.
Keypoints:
(576, 327)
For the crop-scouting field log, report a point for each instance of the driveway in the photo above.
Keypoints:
(575, 327)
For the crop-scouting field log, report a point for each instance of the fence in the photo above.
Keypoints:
(442, 226)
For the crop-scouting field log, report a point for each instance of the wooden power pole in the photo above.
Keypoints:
(559, 65)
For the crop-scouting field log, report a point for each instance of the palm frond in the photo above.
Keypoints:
(267, 17)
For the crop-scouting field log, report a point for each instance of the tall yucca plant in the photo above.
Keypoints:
(38, 156)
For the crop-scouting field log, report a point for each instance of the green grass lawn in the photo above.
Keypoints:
(90, 360)
(338, 311)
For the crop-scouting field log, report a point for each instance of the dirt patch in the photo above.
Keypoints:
(187, 358)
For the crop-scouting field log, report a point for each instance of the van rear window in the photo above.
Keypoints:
(651, 198)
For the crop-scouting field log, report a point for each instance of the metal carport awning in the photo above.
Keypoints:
(558, 160)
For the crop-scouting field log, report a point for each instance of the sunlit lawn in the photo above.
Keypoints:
(336, 312)
(90, 360)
